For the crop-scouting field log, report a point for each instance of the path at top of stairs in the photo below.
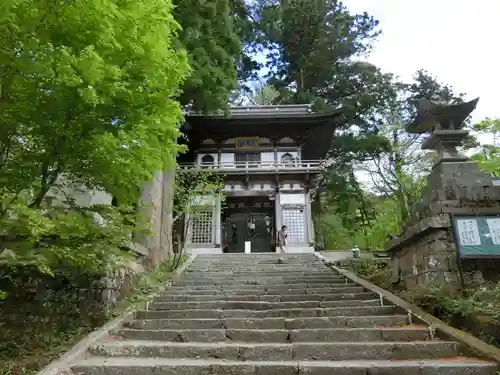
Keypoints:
(239, 314)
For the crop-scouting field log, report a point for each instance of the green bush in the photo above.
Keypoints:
(55, 321)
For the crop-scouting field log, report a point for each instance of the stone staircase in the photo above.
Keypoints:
(240, 314)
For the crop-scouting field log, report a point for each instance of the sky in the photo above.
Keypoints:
(454, 40)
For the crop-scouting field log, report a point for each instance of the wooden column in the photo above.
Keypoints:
(277, 211)
(219, 145)
(217, 221)
(309, 219)
(275, 144)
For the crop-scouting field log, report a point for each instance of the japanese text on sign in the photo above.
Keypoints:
(468, 232)
(494, 227)
(247, 143)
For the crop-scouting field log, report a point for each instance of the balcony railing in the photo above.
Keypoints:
(257, 166)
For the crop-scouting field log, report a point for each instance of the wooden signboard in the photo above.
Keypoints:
(477, 236)
(247, 143)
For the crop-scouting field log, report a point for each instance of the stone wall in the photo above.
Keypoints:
(119, 282)
(43, 306)
(427, 257)
(427, 252)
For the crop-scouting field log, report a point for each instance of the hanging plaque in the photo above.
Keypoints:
(247, 143)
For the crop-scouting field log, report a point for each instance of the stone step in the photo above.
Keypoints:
(272, 323)
(284, 292)
(242, 314)
(259, 305)
(303, 351)
(285, 276)
(282, 272)
(265, 297)
(254, 257)
(274, 268)
(164, 366)
(273, 263)
(408, 333)
(258, 281)
(264, 275)
(271, 266)
(251, 270)
(261, 289)
(275, 313)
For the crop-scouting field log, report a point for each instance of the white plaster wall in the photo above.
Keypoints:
(267, 157)
(286, 198)
(83, 197)
(100, 197)
(227, 159)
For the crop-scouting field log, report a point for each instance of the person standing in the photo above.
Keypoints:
(234, 234)
(282, 235)
(251, 227)
(267, 222)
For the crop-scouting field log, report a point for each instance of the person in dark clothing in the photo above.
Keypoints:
(234, 234)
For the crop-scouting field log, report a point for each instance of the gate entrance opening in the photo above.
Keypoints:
(236, 214)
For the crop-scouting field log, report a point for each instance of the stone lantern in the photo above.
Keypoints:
(455, 186)
(453, 175)
(445, 123)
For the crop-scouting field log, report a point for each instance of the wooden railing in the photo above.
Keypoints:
(257, 166)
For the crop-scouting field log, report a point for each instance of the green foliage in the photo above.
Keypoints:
(88, 90)
(189, 186)
(309, 40)
(365, 268)
(390, 158)
(87, 99)
(488, 157)
(148, 284)
(61, 239)
(376, 271)
(214, 49)
(450, 302)
(58, 322)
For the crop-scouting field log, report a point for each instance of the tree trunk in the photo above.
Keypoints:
(151, 209)
(166, 211)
